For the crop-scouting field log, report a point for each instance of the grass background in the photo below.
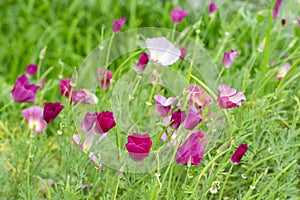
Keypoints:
(268, 121)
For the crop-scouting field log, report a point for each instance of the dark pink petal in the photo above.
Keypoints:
(192, 149)
(23, 91)
(283, 22)
(118, 24)
(178, 14)
(65, 87)
(212, 8)
(239, 153)
(199, 97)
(51, 110)
(192, 119)
(276, 9)
(34, 118)
(163, 105)
(177, 118)
(104, 77)
(31, 69)
(138, 146)
(105, 122)
(182, 53)
(143, 60)
(229, 97)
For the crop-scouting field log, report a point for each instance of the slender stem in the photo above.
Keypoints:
(173, 31)
(267, 47)
(288, 73)
(28, 168)
(116, 190)
(108, 50)
(225, 182)
(7, 105)
(219, 76)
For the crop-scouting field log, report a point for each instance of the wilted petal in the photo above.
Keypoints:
(161, 51)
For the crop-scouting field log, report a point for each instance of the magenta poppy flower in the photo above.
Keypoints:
(118, 24)
(276, 9)
(239, 153)
(163, 105)
(142, 63)
(212, 8)
(104, 77)
(177, 118)
(229, 97)
(192, 150)
(84, 97)
(198, 97)
(23, 91)
(192, 119)
(65, 87)
(31, 69)
(178, 15)
(138, 146)
(283, 70)
(103, 122)
(182, 53)
(34, 118)
(51, 110)
(229, 57)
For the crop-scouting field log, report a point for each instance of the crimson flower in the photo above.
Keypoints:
(31, 69)
(143, 60)
(118, 24)
(178, 15)
(65, 87)
(239, 153)
(100, 123)
(177, 118)
(138, 146)
(51, 110)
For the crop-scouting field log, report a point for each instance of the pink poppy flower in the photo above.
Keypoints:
(178, 15)
(276, 9)
(138, 146)
(163, 105)
(239, 153)
(34, 119)
(104, 77)
(283, 70)
(118, 24)
(103, 122)
(229, 97)
(31, 69)
(65, 87)
(192, 150)
(212, 8)
(199, 97)
(161, 51)
(84, 97)
(177, 118)
(51, 110)
(23, 91)
(142, 63)
(192, 119)
(229, 57)
(182, 53)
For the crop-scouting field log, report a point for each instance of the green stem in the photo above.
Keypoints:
(173, 31)
(7, 105)
(267, 47)
(28, 168)
(219, 76)
(225, 182)
(108, 50)
(116, 190)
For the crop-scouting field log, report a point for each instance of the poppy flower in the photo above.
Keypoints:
(163, 105)
(51, 110)
(84, 97)
(118, 24)
(138, 146)
(104, 77)
(229, 97)
(143, 60)
(229, 57)
(198, 97)
(178, 15)
(31, 69)
(177, 118)
(100, 123)
(192, 119)
(192, 149)
(23, 91)
(239, 153)
(34, 118)
(161, 51)
(65, 87)
(212, 8)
